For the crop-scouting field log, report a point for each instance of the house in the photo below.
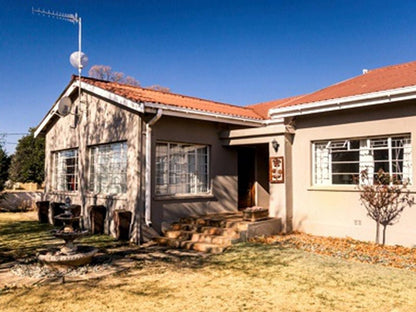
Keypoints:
(164, 156)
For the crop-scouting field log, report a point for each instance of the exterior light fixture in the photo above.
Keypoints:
(275, 145)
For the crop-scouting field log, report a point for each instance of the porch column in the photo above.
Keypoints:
(281, 192)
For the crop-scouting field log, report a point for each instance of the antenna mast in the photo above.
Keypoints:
(74, 19)
(77, 59)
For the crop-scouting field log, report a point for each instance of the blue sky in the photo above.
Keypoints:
(238, 52)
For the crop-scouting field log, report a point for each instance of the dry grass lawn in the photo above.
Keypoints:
(248, 277)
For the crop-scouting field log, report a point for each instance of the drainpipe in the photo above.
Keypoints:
(148, 168)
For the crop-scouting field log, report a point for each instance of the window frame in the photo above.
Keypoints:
(93, 151)
(166, 175)
(368, 140)
(58, 159)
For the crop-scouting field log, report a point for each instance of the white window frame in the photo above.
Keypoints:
(108, 168)
(61, 179)
(366, 151)
(191, 182)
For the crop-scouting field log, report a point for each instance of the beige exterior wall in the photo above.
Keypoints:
(281, 205)
(336, 211)
(223, 171)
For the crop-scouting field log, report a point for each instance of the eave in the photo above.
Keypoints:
(362, 100)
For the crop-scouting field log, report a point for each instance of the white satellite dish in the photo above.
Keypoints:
(64, 106)
(75, 59)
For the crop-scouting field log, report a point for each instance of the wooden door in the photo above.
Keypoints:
(246, 177)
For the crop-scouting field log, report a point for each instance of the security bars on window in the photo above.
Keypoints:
(181, 169)
(339, 161)
(65, 173)
(108, 168)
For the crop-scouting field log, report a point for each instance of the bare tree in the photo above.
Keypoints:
(159, 88)
(131, 81)
(105, 72)
(102, 72)
(385, 199)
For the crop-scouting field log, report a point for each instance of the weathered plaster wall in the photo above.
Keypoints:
(336, 211)
(100, 122)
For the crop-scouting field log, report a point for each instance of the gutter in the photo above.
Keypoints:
(203, 115)
(147, 177)
(363, 100)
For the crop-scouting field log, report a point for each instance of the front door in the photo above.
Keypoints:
(246, 177)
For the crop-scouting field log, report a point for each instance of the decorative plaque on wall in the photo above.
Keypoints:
(276, 170)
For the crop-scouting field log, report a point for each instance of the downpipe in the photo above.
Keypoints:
(148, 167)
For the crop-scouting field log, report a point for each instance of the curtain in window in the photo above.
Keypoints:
(186, 166)
(108, 168)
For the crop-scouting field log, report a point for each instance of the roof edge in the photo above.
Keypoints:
(141, 107)
(362, 100)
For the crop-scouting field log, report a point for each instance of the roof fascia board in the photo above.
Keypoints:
(53, 110)
(201, 115)
(253, 132)
(138, 107)
(274, 121)
(374, 98)
(248, 141)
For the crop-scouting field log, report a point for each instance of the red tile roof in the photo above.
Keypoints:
(262, 109)
(380, 79)
(139, 94)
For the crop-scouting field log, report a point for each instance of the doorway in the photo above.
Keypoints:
(246, 177)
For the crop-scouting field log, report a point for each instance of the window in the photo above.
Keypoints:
(181, 169)
(65, 170)
(339, 161)
(108, 168)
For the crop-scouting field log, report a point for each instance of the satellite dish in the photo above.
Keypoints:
(74, 59)
(64, 106)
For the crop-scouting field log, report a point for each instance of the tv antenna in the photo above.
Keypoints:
(78, 59)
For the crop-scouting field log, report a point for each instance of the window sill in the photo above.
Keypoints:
(334, 188)
(107, 196)
(67, 193)
(184, 196)
(343, 188)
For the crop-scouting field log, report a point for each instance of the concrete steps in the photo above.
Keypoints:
(210, 233)
(215, 233)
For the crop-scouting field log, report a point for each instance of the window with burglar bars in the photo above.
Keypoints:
(181, 168)
(339, 161)
(65, 172)
(108, 168)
